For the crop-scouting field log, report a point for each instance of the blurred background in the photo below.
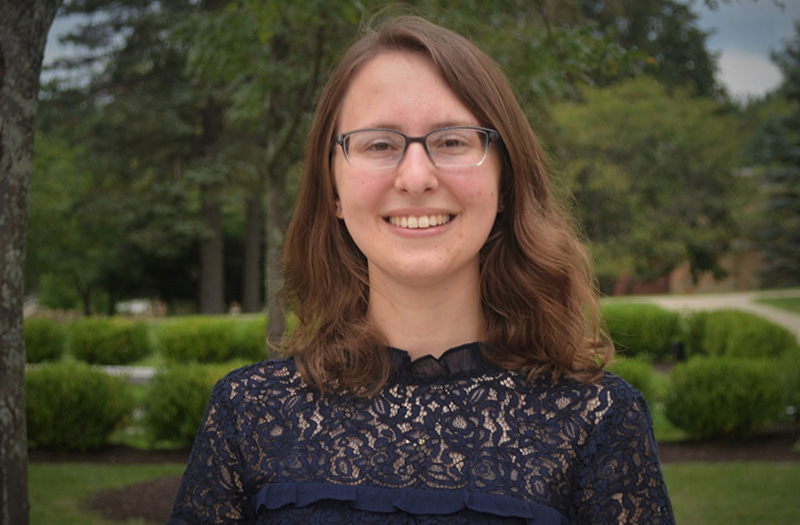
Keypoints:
(170, 137)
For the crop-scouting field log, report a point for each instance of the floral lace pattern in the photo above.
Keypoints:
(450, 440)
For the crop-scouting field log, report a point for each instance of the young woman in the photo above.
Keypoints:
(447, 365)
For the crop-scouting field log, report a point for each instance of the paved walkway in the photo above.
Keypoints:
(739, 301)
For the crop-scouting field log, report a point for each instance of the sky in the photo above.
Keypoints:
(744, 33)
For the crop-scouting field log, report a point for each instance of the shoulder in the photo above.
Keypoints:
(260, 379)
(609, 397)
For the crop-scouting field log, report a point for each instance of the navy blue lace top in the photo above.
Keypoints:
(449, 440)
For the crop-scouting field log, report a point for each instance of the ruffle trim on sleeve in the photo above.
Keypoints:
(411, 501)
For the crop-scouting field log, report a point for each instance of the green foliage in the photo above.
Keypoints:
(738, 334)
(652, 175)
(213, 339)
(71, 406)
(249, 338)
(638, 373)
(643, 330)
(177, 400)
(109, 341)
(778, 151)
(45, 340)
(723, 397)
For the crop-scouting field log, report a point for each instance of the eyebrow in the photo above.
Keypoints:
(438, 125)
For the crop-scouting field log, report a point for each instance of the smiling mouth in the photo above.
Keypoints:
(425, 221)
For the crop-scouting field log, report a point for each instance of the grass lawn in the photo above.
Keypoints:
(734, 493)
(57, 490)
(791, 304)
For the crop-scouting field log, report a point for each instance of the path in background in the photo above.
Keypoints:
(740, 301)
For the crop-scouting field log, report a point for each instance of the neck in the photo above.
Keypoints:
(427, 320)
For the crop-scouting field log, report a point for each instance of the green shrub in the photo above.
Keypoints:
(739, 334)
(204, 339)
(644, 330)
(197, 339)
(249, 339)
(109, 341)
(177, 399)
(723, 396)
(45, 340)
(71, 406)
(639, 374)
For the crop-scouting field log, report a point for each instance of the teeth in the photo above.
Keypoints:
(426, 221)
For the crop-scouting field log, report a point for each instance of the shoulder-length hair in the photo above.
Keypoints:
(537, 291)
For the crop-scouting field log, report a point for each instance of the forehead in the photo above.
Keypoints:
(404, 90)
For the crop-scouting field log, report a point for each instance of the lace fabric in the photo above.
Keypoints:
(450, 440)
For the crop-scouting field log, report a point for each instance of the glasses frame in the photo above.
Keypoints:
(492, 135)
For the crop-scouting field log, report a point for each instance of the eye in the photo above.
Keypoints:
(453, 141)
(371, 143)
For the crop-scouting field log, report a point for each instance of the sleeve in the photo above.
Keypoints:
(620, 478)
(212, 488)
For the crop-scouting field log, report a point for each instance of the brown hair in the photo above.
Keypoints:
(537, 291)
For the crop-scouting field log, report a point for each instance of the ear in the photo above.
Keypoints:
(339, 213)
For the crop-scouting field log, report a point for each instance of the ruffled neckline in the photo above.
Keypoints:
(458, 360)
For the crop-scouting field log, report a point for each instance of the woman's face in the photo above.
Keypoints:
(453, 208)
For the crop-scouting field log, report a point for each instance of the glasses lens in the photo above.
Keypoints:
(458, 146)
(374, 149)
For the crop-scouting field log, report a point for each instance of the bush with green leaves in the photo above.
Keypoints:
(205, 339)
(644, 330)
(638, 373)
(177, 399)
(45, 340)
(72, 406)
(249, 339)
(109, 340)
(724, 397)
(738, 334)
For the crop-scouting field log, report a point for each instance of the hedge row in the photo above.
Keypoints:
(212, 339)
(645, 331)
(72, 406)
(75, 407)
(653, 333)
(725, 397)
(119, 341)
(177, 399)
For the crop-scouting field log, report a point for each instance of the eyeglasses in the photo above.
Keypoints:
(380, 149)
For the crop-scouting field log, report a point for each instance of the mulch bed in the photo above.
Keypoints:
(152, 500)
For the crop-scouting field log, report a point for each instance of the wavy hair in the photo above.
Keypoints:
(537, 290)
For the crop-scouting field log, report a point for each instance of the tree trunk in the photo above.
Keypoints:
(212, 256)
(212, 251)
(276, 220)
(23, 35)
(251, 288)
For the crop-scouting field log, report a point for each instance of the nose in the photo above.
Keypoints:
(416, 173)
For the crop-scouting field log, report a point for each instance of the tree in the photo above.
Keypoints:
(23, 34)
(778, 152)
(653, 177)
(666, 32)
(151, 139)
